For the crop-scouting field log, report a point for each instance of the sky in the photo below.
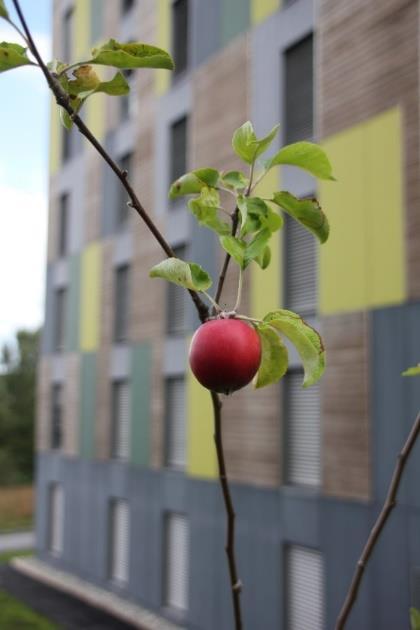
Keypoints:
(24, 129)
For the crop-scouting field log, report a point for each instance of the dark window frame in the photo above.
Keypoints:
(63, 225)
(180, 21)
(121, 303)
(60, 318)
(57, 414)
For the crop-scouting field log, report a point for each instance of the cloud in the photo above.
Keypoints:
(22, 259)
(42, 40)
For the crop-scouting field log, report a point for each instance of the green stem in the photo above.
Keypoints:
(239, 294)
(250, 319)
(13, 25)
(213, 302)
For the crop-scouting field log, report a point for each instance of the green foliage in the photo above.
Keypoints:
(256, 214)
(17, 410)
(205, 209)
(3, 10)
(13, 56)
(188, 275)
(15, 614)
(244, 252)
(274, 357)
(306, 340)
(192, 183)
(132, 55)
(307, 211)
(415, 619)
(412, 371)
(246, 144)
(234, 180)
(306, 155)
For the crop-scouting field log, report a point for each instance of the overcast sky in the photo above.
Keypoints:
(24, 179)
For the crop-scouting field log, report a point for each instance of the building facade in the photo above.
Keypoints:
(127, 488)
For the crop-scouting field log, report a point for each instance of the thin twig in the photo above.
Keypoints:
(389, 505)
(239, 293)
(235, 583)
(64, 102)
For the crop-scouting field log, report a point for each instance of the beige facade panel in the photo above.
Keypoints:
(345, 407)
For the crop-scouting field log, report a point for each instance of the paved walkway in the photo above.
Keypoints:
(66, 611)
(17, 541)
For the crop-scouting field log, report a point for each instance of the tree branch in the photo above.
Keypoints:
(389, 505)
(64, 102)
(235, 583)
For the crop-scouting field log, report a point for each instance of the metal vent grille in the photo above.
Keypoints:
(120, 540)
(56, 519)
(175, 422)
(303, 432)
(305, 589)
(177, 565)
(121, 407)
(299, 91)
(301, 269)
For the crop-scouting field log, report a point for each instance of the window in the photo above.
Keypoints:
(56, 514)
(119, 541)
(299, 91)
(305, 589)
(175, 422)
(128, 102)
(121, 416)
(56, 415)
(180, 35)
(127, 5)
(122, 198)
(121, 303)
(63, 219)
(175, 302)
(60, 319)
(176, 562)
(301, 269)
(178, 152)
(303, 431)
(68, 28)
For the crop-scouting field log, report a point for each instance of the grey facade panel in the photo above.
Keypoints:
(48, 328)
(206, 29)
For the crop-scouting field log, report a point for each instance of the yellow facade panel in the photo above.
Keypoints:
(262, 9)
(95, 115)
(81, 42)
(201, 451)
(55, 137)
(90, 295)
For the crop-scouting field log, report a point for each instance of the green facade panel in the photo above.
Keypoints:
(87, 404)
(140, 404)
(235, 18)
(73, 309)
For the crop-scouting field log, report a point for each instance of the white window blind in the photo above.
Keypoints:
(56, 519)
(303, 431)
(175, 422)
(177, 564)
(301, 269)
(120, 540)
(305, 589)
(121, 406)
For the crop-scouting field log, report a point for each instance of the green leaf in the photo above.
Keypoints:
(412, 371)
(57, 66)
(235, 248)
(241, 202)
(193, 182)
(264, 259)
(414, 619)
(306, 339)
(259, 215)
(307, 211)
(274, 357)
(87, 82)
(133, 55)
(256, 247)
(185, 274)
(205, 209)
(3, 10)
(235, 180)
(65, 119)
(306, 155)
(246, 144)
(13, 56)
(117, 86)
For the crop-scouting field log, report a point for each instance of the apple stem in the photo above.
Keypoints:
(212, 302)
(239, 294)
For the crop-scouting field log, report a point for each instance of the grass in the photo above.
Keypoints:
(17, 616)
(16, 508)
(6, 556)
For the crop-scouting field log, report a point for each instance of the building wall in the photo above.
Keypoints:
(367, 118)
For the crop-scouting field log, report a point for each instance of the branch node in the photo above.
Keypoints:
(237, 587)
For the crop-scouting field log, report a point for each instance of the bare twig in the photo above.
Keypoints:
(389, 505)
(236, 584)
(64, 102)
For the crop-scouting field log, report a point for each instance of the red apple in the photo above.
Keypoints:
(225, 354)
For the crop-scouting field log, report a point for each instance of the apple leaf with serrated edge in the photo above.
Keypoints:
(131, 55)
(274, 357)
(306, 340)
(246, 144)
(185, 274)
(306, 155)
(308, 212)
(205, 209)
(191, 183)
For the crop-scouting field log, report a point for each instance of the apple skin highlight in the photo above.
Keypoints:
(225, 354)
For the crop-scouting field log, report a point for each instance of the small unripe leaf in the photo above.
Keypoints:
(412, 371)
(306, 155)
(234, 180)
(192, 183)
(133, 55)
(306, 340)
(274, 357)
(307, 211)
(3, 10)
(186, 274)
(13, 56)
(246, 144)
(205, 209)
